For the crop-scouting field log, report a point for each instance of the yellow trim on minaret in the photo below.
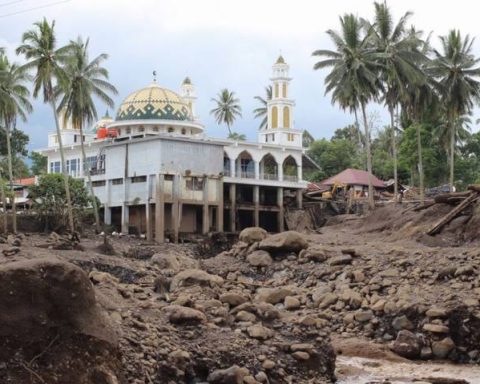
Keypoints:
(276, 90)
(284, 90)
(286, 117)
(274, 117)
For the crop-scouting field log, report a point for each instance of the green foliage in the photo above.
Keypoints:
(19, 142)
(19, 168)
(262, 111)
(50, 199)
(39, 163)
(227, 108)
(237, 136)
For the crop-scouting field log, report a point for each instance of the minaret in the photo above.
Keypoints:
(280, 129)
(188, 94)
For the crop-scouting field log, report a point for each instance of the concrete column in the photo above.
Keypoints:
(125, 217)
(160, 209)
(176, 215)
(256, 202)
(281, 214)
(148, 215)
(107, 215)
(220, 205)
(205, 213)
(232, 167)
(299, 172)
(280, 172)
(257, 169)
(233, 207)
(299, 199)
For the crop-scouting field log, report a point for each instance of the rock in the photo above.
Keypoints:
(289, 241)
(273, 295)
(446, 272)
(246, 316)
(306, 347)
(252, 234)
(268, 364)
(471, 302)
(402, 322)
(232, 375)
(340, 260)
(379, 305)
(352, 298)
(327, 300)
(173, 261)
(464, 270)
(232, 298)
(301, 356)
(358, 276)
(195, 277)
(259, 258)
(436, 312)
(435, 328)
(407, 345)
(313, 254)
(442, 348)
(97, 277)
(291, 303)
(363, 316)
(258, 331)
(265, 311)
(11, 251)
(178, 314)
(38, 296)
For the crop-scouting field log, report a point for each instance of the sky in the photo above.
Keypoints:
(218, 44)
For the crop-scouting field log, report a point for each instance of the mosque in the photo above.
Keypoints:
(156, 172)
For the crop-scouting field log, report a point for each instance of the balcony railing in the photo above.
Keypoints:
(247, 174)
(290, 178)
(226, 172)
(269, 176)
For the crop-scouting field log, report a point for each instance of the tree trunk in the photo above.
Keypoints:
(357, 125)
(10, 178)
(420, 163)
(371, 202)
(89, 178)
(453, 128)
(71, 225)
(394, 153)
(4, 203)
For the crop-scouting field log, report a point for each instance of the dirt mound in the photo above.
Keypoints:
(51, 328)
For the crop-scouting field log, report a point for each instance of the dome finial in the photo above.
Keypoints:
(154, 76)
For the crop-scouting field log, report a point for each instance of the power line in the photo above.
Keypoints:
(11, 2)
(35, 8)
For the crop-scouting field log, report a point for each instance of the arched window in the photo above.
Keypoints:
(170, 129)
(274, 117)
(284, 90)
(276, 90)
(184, 131)
(286, 117)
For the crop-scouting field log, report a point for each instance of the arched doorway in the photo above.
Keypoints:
(290, 169)
(245, 166)
(268, 168)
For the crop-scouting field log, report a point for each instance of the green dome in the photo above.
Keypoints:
(153, 102)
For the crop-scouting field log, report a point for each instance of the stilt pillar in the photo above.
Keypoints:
(233, 207)
(281, 211)
(160, 209)
(256, 203)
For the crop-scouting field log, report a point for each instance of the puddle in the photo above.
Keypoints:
(359, 370)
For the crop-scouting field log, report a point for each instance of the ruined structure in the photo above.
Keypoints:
(155, 171)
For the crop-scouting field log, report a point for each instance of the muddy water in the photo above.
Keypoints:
(359, 370)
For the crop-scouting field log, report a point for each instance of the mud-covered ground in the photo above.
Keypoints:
(267, 311)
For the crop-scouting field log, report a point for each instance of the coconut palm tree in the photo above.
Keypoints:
(399, 59)
(237, 136)
(39, 46)
(14, 103)
(227, 108)
(457, 71)
(262, 111)
(84, 80)
(353, 75)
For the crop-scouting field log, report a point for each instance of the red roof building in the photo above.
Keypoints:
(353, 177)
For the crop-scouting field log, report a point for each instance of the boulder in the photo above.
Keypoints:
(259, 258)
(436, 312)
(407, 345)
(402, 322)
(435, 328)
(233, 298)
(41, 295)
(178, 314)
(265, 311)
(194, 277)
(273, 295)
(232, 375)
(313, 254)
(289, 241)
(175, 262)
(97, 277)
(363, 316)
(442, 348)
(252, 234)
(291, 303)
(340, 260)
(260, 332)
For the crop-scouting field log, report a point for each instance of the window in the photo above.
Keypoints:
(141, 129)
(291, 137)
(274, 117)
(184, 131)
(128, 130)
(138, 179)
(168, 177)
(286, 117)
(90, 163)
(155, 129)
(276, 90)
(98, 183)
(170, 130)
(117, 181)
(55, 139)
(73, 167)
(55, 167)
(75, 138)
(284, 89)
(194, 184)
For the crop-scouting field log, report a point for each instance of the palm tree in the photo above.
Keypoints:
(237, 136)
(84, 79)
(456, 69)
(262, 111)
(398, 58)
(227, 109)
(14, 103)
(40, 49)
(353, 76)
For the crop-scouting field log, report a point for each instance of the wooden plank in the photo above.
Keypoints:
(452, 214)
